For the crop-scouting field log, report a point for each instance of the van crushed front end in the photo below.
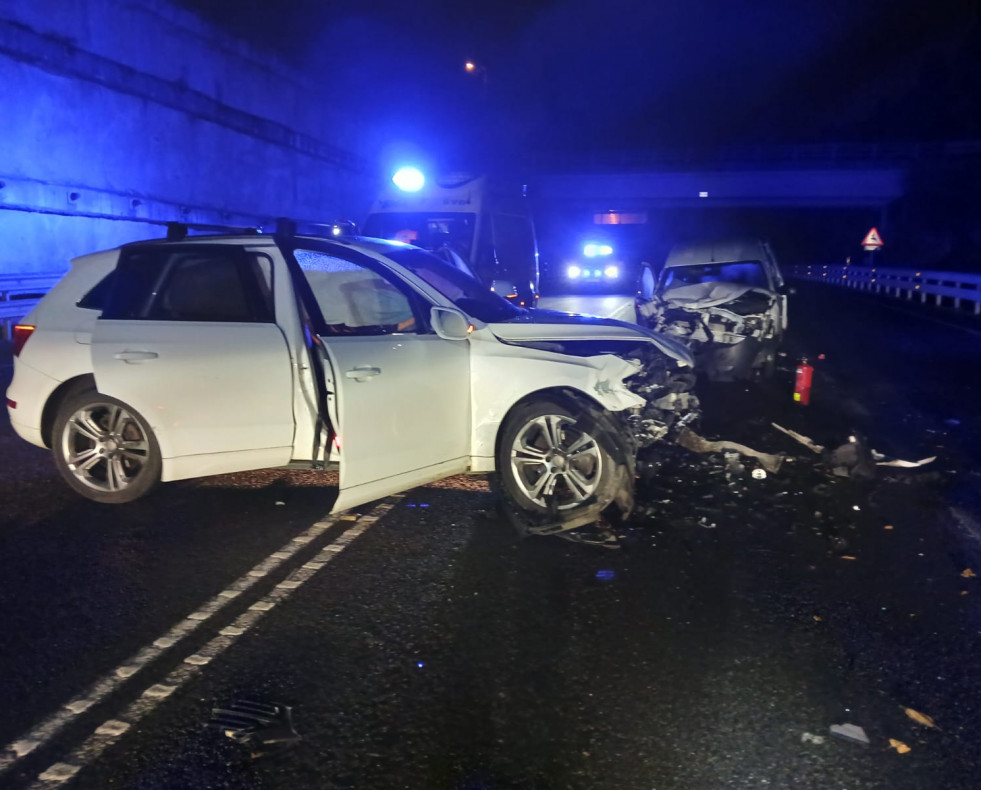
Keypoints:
(731, 329)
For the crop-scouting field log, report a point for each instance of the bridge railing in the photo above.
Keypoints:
(958, 290)
(19, 293)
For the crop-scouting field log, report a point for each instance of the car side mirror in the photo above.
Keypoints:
(450, 324)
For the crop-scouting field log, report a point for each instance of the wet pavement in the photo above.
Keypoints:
(736, 621)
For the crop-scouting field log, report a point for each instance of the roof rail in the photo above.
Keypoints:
(290, 227)
(176, 231)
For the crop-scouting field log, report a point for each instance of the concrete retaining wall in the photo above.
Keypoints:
(121, 113)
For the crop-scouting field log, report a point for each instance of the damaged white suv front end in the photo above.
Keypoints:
(724, 300)
(596, 393)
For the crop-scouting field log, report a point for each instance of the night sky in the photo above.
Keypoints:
(612, 75)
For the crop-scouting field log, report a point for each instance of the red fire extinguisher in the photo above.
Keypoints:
(802, 385)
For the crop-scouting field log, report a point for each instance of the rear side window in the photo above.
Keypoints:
(97, 297)
(194, 283)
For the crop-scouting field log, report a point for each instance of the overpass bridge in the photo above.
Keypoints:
(832, 174)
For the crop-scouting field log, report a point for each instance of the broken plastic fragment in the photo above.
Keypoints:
(807, 737)
(899, 746)
(967, 573)
(920, 718)
(808, 443)
(850, 732)
(759, 474)
(264, 728)
(690, 440)
(898, 463)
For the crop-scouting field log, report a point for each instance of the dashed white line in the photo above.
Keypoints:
(110, 682)
(107, 733)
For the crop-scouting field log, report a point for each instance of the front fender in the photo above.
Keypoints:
(504, 375)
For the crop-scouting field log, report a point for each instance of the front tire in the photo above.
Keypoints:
(104, 450)
(552, 460)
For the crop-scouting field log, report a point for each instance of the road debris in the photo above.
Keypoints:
(921, 718)
(853, 459)
(967, 573)
(899, 746)
(850, 732)
(899, 463)
(759, 473)
(261, 727)
(810, 444)
(690, 440)
(807, 737)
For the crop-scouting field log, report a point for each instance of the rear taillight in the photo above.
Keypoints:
(21, 333)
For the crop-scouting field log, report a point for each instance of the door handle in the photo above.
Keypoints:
(135, 356)
(362, 373)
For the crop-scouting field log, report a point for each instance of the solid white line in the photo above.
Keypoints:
(108, 683)
(111, 730)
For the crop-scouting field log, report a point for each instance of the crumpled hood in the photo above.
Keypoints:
(699, 296)
(540, 325)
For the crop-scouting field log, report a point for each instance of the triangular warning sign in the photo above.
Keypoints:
(872, 239)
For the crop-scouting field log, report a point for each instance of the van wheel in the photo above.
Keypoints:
(549, 460)
(104, 449)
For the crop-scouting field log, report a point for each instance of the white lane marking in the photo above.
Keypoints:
(99, 690)
(111, 730)
(629, 310)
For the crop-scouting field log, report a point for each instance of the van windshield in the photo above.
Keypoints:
(466, 292)
(429, 230)
(742, 273)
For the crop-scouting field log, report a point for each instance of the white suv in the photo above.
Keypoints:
(200, 355)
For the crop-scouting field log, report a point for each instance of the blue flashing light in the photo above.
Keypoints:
(587, 273)
(611, 272)
(597, 250)
(409, 179)
(573, 272)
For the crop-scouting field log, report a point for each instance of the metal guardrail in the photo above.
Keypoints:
(959, 290)
(19, 293)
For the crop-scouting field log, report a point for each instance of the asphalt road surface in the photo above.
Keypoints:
(421, 643)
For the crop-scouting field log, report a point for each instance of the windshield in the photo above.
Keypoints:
(749, 273)
(467, 293)
(431, 231)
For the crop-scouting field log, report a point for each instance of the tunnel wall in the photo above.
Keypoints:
(119, 114)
